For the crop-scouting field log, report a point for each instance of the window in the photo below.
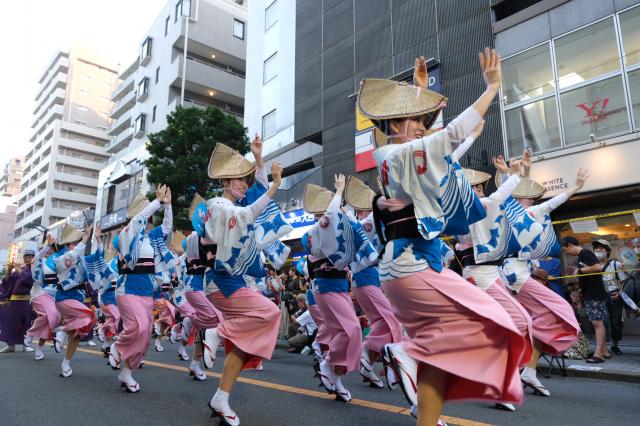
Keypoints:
(145, 53)
(569, 90)
(270, 15)
(153, 115)
(140, 123)
(269, 124)
(534, 125)
(157, 74)
(238, 29)
(586, 53)
(82, 108)
(143, 88)
(166, 25)
(183, 8)
(527, 75)
(599, 109)
(269, 71)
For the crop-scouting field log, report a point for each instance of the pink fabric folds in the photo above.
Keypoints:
(77, 318)
(518, 314)
(166, 312)
(48, 317)
(383, 325)
(554, 323)
(111, 319)
(137, 317)
(456, 327)
(322, 336)
(345, 346)
(202, 313)
(251, 321)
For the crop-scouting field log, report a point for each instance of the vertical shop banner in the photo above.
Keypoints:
(364, 128)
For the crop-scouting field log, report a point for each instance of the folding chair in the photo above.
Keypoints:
(559, 360)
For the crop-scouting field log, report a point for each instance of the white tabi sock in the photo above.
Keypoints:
(221, 400)
(195, 365)
(126, 376)
(39, 351)
(66, 363)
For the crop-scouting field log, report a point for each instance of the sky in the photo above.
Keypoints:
(34, 30)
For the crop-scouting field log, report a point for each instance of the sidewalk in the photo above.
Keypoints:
(625, 368)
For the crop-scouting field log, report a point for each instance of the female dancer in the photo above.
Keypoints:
(384, 327)
(142, 254)
(231, 248)
(333, 246)
(466, 344)
(43, 299)
(68, 265)
(555, 328)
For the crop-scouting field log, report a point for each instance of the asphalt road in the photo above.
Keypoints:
(283, 394)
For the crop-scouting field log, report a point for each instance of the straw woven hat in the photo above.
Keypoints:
(70, 234)
(137, 205)
(197, 200)
(527, 188)
(176, 242)
(381, 99)
(316, 199)
(380, 138)
(476, 177)
(227, 163)
(358, 194)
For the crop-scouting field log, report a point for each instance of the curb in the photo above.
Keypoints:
(605, 375)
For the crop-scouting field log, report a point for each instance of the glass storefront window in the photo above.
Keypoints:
(527, 75)
(634, 89)
(534, 126)
(587, 53)
(630, 28)
(599, 109)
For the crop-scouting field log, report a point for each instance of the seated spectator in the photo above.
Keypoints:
(302, 326)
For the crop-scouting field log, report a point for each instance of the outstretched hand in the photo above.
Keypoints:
(490, 66)
(500, 164)
(339, 182)
(581, 178)
(420, 74)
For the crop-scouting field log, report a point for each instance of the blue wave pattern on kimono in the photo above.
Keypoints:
(547, 244)
(270, 220)
(70, 278)
(365, 253)
(460, 205)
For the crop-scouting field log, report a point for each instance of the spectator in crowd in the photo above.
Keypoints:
(302, 327)
(614, 281)
(292, 283)
(274, 285)
(554, 269)
(593, 292)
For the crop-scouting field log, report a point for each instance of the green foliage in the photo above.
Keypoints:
(179, 154)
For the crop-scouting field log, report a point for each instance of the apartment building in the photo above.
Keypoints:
(193, 55)
(9, 190)
(69, 138)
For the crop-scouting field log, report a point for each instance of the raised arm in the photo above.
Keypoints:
(261, 203)
(336, 201)
(558, 200)
(464, 146)
(256, 150)
(504, 191)
(167, 222)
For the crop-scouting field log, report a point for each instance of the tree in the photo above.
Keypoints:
(179, 154)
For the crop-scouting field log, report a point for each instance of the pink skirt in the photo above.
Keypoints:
(251, 321)
(554, 323)
(518, 314)
(322, 336)
(166, 312)
(77, 318)
(137, 317)
(111, 320)
(48, 317)
(456, 327)
(345, 345)
(383, 325)
(203, 314)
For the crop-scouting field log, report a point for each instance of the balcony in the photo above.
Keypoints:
(120, 124)
(55, 113)
(81, 146)
(123, 88)
(202, 77)
(121, 141)
(59, 81)
(57, 96)
(77, 179)
(77, 197)
(80, 162)
(61, 64)
(123, 105)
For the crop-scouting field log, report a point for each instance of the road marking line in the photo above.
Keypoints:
(307, 392)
